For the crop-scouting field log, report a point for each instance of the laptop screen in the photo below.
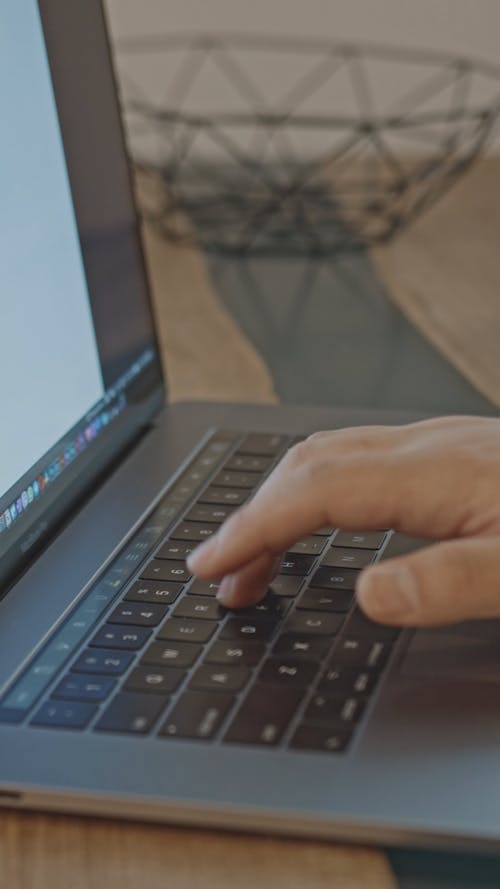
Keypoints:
(78, 351)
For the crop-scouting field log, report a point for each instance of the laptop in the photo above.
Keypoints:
(125, 689)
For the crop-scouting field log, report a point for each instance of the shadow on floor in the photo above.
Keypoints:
(329, 334)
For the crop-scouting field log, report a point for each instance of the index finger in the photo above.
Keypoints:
(314, 485)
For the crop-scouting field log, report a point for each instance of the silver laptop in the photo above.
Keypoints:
(125, 689)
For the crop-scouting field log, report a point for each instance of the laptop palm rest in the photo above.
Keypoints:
(468, 651)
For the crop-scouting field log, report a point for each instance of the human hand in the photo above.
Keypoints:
(437, 479)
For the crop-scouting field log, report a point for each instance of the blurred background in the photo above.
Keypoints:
(407, 321)
(457, 26)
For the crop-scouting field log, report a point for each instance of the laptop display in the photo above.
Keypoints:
(77, 386)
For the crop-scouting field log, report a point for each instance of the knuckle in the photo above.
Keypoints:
(318, 468)
(359, 439)
(307, 459)
(319, 437)
(305, 450)
(297, 455)
(464, 569)
(368, 438)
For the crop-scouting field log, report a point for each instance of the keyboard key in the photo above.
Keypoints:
(200, 607)
(336, 710)
(264, 715)
(309, 546)
(217, 446)
(220, 678)
(343, 681)
(270, 605)
(219, 443)
(248, 654)
(263, 444)
(187, 630)
(312, 648)
(131, 713)
(324, 532)
(359, 625)
(239, 628)
(197, 715)
(163, 570)
(314, 623)
(360, 539)
(231, 479)
(217, 514)
(158, 681)
(224, 496)
(317, 737)
(64, 714)
(175, 550)
(360, 654)
(339, 601)
(174, 654)
(204, 588)
(138, 614)
(131, 638)
(300, 565)
(79, 687)
(288, 671)
(112, 663)
(328, 579)
(286, 585)
(194, 531)
(153, 593)
(248, 463)
(340, 557)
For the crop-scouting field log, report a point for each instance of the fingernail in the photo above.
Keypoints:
(389, 593)
(226, 590)
(201, 554)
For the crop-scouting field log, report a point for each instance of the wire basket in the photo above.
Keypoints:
(283, 146)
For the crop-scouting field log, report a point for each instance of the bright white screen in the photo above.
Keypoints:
(50, 372)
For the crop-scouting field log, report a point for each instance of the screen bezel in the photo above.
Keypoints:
(75, 33)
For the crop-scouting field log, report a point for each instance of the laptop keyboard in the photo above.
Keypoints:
(147, 649)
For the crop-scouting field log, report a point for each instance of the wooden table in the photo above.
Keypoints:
(55, 852)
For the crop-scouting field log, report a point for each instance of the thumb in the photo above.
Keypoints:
(444, 583)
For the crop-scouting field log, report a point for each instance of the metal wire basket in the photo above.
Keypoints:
(283, 146)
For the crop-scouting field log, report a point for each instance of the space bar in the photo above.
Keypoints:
(264, 715)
